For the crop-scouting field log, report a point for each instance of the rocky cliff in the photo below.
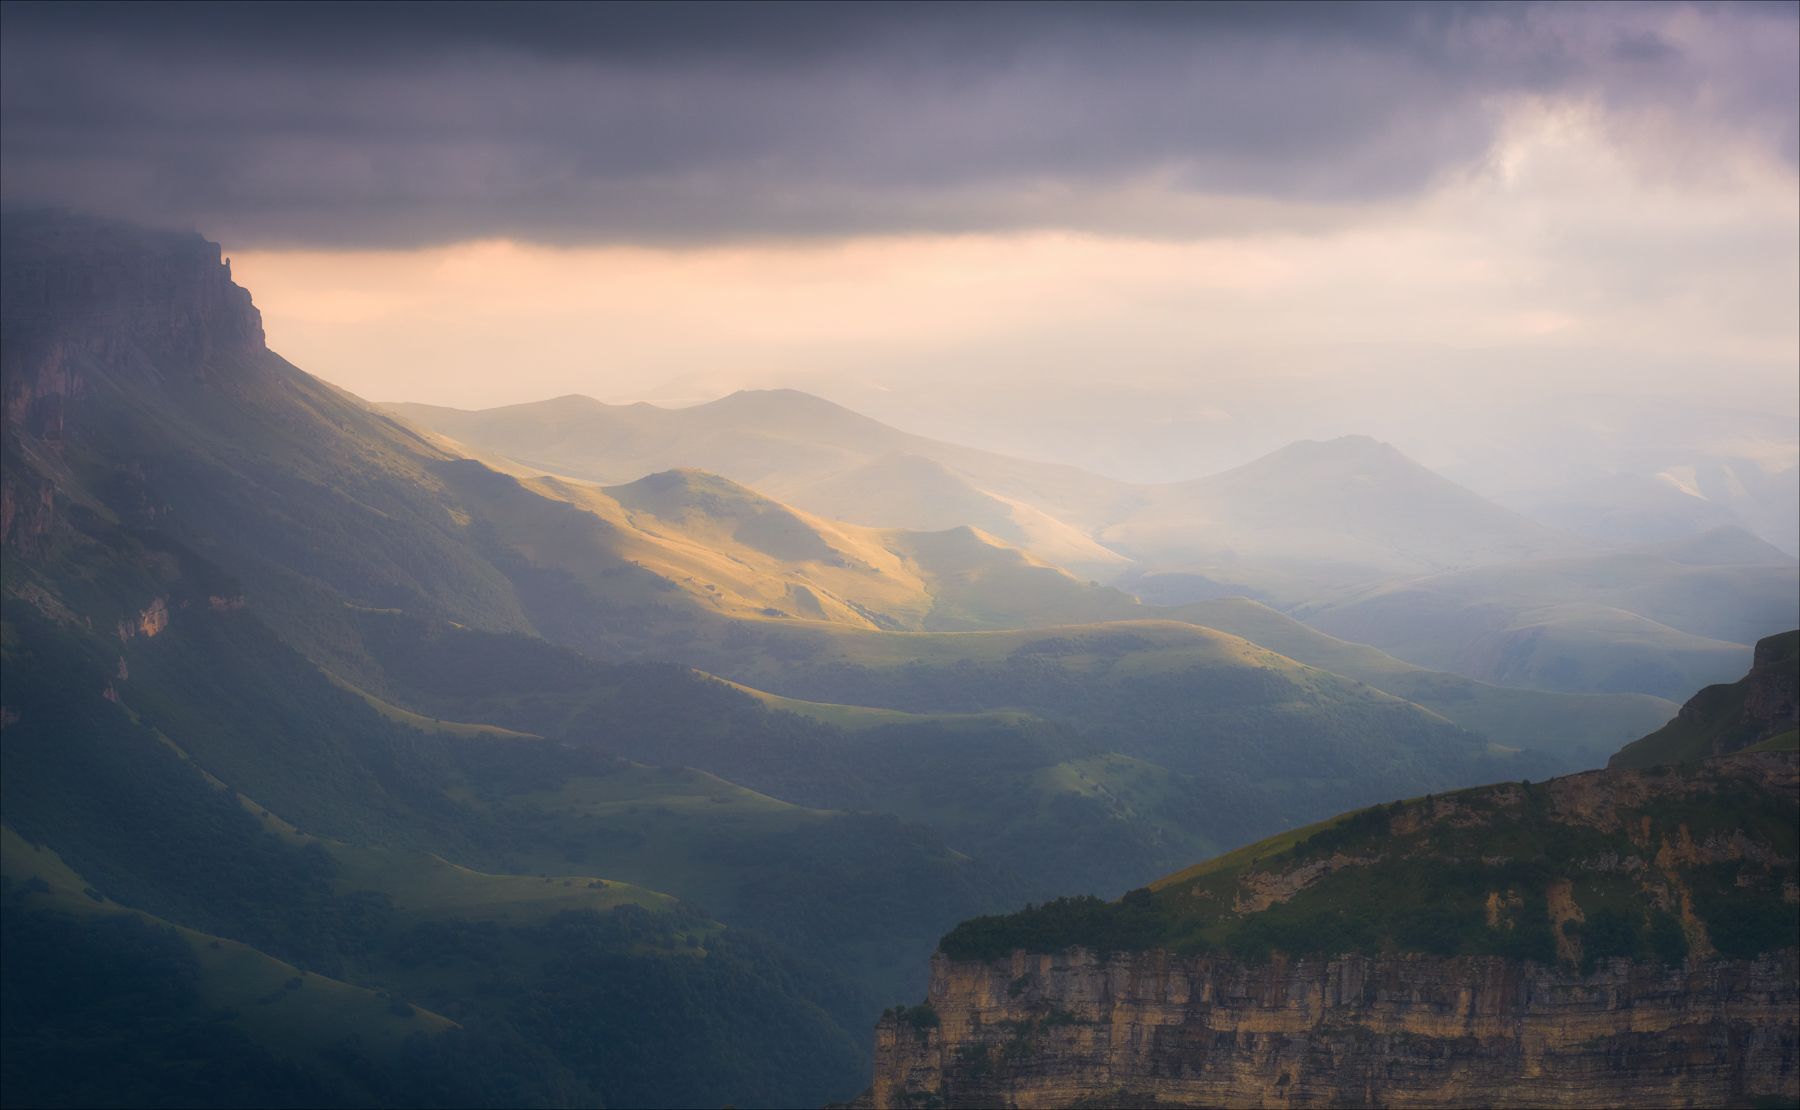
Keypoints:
(1612, 938)
(1150, 1028)
(1760, 709)
(79, 291)
(85, 302)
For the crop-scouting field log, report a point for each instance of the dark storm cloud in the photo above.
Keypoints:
(392, 125)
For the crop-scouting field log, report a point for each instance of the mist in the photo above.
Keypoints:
(899, 554)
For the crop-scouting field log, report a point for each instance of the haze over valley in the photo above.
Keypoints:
(897, 556)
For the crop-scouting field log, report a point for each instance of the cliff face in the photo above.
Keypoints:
(81, 292)
(92, 309)
(1619, 937)
(1771, 693)
(1147, 1028)
(1729, 717)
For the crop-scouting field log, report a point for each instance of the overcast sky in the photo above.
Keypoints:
(475, 204)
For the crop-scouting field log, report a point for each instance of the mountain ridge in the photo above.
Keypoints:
(226, 579)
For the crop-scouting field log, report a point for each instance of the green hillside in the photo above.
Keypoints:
(138, 761)
(980, 779)
(1574, 870)
(1588, 726)
(1500, 870)
(1268, 742)
(281, 1021)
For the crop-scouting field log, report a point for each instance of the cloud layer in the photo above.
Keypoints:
(411, 125)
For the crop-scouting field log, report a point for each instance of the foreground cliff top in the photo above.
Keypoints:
(1662, 864)
(1684, 846)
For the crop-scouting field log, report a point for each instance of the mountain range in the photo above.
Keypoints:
(380, 766)
(1312, 516)
(1348, 534)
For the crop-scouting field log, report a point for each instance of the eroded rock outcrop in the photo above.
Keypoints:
(79, 289)
(1730, 717)
(1148, 1028)
(1612, 938)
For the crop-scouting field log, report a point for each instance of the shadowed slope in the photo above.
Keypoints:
(1760, 711)
(1658, 620)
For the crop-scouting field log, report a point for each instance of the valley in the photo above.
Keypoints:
(643, 556)
(691, 730)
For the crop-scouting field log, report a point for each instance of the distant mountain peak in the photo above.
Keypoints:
(768, 397)
(793, 404)
(1324, 462)
(1355, 446)
(685, 479)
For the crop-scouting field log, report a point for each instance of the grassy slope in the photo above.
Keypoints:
(738, 553)
(429, 724)
(1595, 724)
(1723, 718)
(1580, 868)
(864, 716)
(981, 778)
(1498, 870)
(920, 494)
(246, 711)
(1269, 742)
(294, 1023)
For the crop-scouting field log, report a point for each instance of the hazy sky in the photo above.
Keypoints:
(477, 204)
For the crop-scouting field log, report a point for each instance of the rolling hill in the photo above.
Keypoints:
(1309, 517)
(1655, 620)
(1622, 509)
(921, 494)
(1349, 535)
(781, 442)
(1591, 724)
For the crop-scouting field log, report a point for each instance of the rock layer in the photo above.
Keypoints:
(1149, 1028)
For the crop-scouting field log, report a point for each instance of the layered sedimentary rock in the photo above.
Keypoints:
(80, 292)
(1613, 938)
(1148, 1028)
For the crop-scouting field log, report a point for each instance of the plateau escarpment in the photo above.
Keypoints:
(1621, 937)
(1154, 1029)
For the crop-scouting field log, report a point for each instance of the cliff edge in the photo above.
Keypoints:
(1759, 711)
(1619, 937)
